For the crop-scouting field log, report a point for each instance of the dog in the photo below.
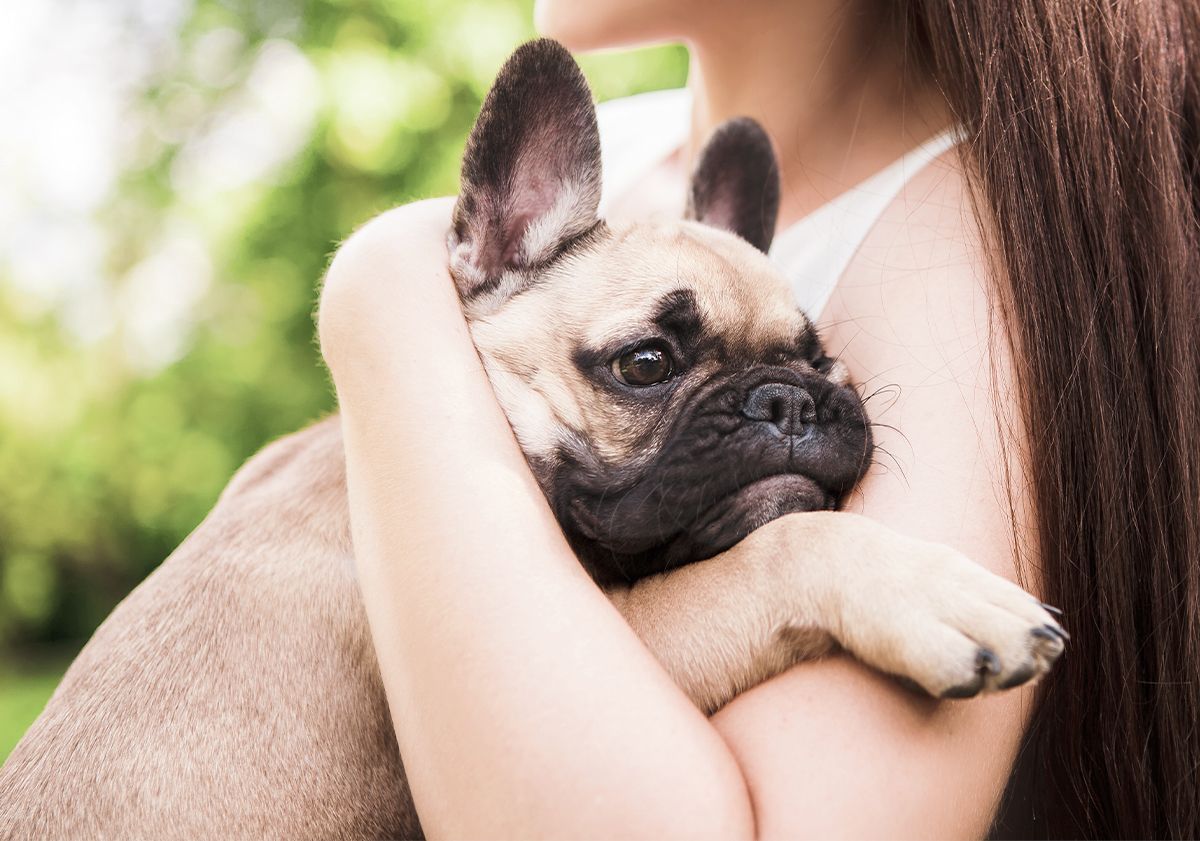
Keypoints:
(670, 399)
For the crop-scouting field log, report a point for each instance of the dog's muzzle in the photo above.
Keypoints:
(745, 450)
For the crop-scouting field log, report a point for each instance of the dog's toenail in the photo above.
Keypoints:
(1048, 643)
(1021, 675)
(966, 690)
(1045, 633)
(986, 661)
(1050, 632)
(1057, 630)
(911, 685)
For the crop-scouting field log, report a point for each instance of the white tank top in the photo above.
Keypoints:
(639, 132)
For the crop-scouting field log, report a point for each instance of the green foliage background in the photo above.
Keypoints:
(105, 466)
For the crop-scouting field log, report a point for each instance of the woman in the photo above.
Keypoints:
(1033, 296)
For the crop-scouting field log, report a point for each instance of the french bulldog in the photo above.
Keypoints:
(671, 400)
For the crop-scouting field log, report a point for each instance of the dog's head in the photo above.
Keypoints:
(667, 391)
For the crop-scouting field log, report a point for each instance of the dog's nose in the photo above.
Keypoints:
(789, 408)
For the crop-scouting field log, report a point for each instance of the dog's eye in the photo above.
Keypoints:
(647, 365)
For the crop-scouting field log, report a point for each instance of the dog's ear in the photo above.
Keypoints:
(531, 172)
(735, 185)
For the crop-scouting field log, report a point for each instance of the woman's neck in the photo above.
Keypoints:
(837, 101)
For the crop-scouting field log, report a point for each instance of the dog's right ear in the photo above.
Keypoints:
(531, 173)
(736, 183)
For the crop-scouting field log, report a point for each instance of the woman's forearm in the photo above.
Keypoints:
(523, 703)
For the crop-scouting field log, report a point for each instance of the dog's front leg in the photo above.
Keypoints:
(804, 583)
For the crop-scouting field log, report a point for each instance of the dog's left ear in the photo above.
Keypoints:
(531, 172)
(735, 185)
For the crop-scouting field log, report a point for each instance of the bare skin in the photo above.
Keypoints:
(829, 91)
(477, 607)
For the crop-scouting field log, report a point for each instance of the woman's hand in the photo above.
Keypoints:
(523, 704)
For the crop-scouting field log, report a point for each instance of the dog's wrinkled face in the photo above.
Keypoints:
(668, 393)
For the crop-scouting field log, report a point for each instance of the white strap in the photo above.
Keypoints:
(815, 251)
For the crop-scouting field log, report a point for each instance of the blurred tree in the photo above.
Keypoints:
(258, 134)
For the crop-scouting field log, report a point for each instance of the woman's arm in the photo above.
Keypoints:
(523, 703)
(832, 749)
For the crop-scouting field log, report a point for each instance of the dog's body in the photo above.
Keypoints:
(236, 693)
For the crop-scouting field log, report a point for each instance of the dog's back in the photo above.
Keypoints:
(254, 621)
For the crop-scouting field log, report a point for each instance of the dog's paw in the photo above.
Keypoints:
(935, 618)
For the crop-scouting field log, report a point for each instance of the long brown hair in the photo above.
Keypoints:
(1083, 148)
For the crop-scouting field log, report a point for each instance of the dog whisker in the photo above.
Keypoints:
(878, 448)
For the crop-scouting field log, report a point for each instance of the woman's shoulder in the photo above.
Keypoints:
(919, 288)
(918, 313)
